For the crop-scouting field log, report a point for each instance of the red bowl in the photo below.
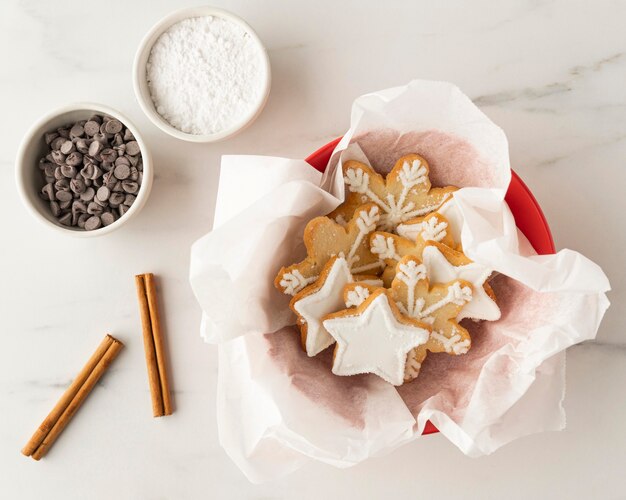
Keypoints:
(528, 215)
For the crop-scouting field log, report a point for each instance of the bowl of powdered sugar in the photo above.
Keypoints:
(202, 74)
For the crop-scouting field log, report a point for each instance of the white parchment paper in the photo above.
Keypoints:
(277, 408)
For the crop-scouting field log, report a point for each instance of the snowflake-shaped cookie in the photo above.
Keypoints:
(391, 247)
(323, 239)
(374, 337)
(404, 194)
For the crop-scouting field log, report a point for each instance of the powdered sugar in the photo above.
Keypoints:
(205, 74)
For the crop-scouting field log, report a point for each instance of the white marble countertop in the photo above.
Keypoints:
(551, 73)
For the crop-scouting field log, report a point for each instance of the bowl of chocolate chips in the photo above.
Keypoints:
(84, 170)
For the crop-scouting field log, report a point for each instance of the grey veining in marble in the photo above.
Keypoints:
(550, 73)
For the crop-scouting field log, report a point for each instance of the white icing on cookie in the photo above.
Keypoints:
(429, 230)
(328, 298)
(412, 368)
(385, 248)
(374, 342)
(357, 296)
(452, 345)
(439, 270)
(395, 210)
(293, 282)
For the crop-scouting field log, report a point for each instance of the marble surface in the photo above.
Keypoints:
(551, 73)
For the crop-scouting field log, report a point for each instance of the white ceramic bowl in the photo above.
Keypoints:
(33, 148)
(142, 90)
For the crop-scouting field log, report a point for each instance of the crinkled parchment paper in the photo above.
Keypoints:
(277, 408)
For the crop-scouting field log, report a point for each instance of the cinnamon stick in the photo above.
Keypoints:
(153, 345)
(72, 398)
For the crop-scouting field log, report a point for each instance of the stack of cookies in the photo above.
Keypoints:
(385, 278)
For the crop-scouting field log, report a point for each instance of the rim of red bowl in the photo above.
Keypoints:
(526, 210)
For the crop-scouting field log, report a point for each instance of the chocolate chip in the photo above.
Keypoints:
(64, 132)
(92, 127)
(101, 138)
(49, 169)
(64, 196)
(77, 185)
(66, 219)
(116, 199)
(67, 147)
(122, 209)
(81, 220)
(82, 145)
(107, 218)
(134, 160)
(113, 126)
(77, 130)
(95, 147)
(48, 192)
(122, 171)
(130, 186)
(62, 185)
(79, 207)
(128, 135)
(56, 143)
(58, 157)
(50, 136)
(103, 204)
(103, 193)
(93, 223)
(122, 160)
(65, 204)
(108, 155)
(93, 208)
(58, 175)
(129, 199)
(97, 172)
(88, 194)
(132, 148)
(74, 159)
(55, 209)
(88, 170)
(69, 171)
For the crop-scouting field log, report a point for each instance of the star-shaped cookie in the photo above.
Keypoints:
(316, 301)
(321, 298)
(404, 194)
(323, 239)
(374, 337)
(437, 306)
(444, 265)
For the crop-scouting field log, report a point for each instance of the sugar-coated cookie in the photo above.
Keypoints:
(374, 337)
(404, 194)
(325, 238)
